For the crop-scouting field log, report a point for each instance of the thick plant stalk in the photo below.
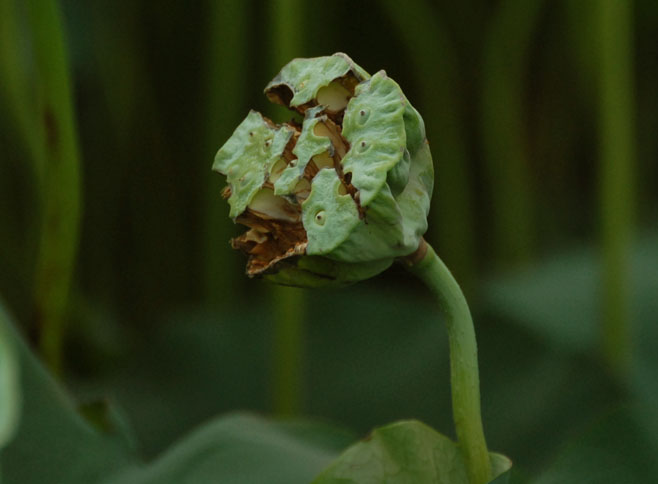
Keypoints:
(464, 375)
(288, 303)
(617, 190)
(61, 187)
(288, 343)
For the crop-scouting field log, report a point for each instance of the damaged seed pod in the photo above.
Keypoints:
(337, 199)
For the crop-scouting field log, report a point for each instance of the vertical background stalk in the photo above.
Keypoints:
(288, 303)
(617, 158)
(61, 187)
(225, 96)
(506, 162)
(15, 86)
(19, 234)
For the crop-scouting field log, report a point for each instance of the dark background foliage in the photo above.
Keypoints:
(542, 119)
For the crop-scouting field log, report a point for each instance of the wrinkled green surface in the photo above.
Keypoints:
(328, 216)
(393, 226)
(381, 117)
(388, 162)
(376, 124)
(374, 127)
(407, 452)
(305, 77)
(248, 156)
(308, 145)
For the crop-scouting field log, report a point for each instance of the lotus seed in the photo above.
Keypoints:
(320, 217)
(364, 114)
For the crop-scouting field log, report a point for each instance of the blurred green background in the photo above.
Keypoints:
(542, 117)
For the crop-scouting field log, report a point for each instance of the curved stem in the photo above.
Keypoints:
(464, 376)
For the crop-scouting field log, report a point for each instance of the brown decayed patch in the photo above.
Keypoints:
(292, 142)
(268, 241)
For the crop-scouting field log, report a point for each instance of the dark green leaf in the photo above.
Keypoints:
(502, 478)
(53, 443)
(559, 299)
(243, 449)
(403, 452)
(619, 449)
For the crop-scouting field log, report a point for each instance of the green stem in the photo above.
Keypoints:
(464, 375)
(286, 26)
(61, 188)
(617, 188)
(288, 350)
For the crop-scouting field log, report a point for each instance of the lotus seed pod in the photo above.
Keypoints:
(337, 198)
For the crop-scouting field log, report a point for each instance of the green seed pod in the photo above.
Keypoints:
(336, 199)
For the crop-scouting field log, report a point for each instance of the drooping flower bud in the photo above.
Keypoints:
(336, 199)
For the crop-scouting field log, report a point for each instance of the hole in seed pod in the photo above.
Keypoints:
(277, 170)
(361, 147)
(268, 143)
(323, 160)
(334, 97)
(363, 116)
(302, 190)
(320, 217)
(280, 94)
